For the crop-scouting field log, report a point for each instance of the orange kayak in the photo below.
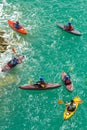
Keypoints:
(20, 30)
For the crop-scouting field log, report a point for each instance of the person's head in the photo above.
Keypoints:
(69, 24)
(17, 22)
(66, 77)
(72, 101)
(41, 79)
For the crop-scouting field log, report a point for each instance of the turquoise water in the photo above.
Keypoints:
(48, 51)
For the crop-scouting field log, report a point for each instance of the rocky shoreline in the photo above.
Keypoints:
(3, 42)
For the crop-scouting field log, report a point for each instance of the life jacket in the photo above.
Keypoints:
(69, 28)
(13, 63)
(67, 82)
(41, 84)
(71, 107)
(17, 26)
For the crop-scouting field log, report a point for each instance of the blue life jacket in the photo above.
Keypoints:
(17, 26)
(14, 62)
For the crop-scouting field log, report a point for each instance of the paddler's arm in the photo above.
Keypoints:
(19, 61)
(67, 104)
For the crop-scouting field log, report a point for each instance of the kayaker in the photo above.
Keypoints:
(41, 83)
(69, 27)
(71, 106)
(14, 62)
(67, 80)
(17, 26)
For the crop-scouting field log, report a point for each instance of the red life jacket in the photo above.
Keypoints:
(69, 28)
(67, 82)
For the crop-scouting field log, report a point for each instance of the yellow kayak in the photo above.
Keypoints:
(68, 114)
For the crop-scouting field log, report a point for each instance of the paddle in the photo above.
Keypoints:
(30, 80)
(70, 70)
(18, 18)
(13, 50)
(61, 101)
(12, 34)
(70, 19)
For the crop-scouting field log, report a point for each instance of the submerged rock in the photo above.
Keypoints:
(8, 79)
(3, 49)
(2, 32)
(3, 43)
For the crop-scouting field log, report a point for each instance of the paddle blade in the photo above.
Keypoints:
(13, 50)
(60, 102)
(71, 69)
(12, 34)
(30, 80)
(80, 101)
(70, 19)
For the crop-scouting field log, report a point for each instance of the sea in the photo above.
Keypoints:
(48, 51)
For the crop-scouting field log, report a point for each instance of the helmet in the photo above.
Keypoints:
(66, 77)
(69, 23)
(17, 22)
(41, 79)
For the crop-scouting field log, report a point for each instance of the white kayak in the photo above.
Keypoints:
(36, 87)
(69, 87)
(75, 32)
(7, 67)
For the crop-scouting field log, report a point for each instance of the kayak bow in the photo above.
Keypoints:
(20, 30)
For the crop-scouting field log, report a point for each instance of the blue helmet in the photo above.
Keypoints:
(66, 77)
(41, 79)
(69, 23)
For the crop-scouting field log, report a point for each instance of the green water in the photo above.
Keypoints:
(48, 51)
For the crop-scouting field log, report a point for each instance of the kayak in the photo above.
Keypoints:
(20, 30)
(36, 87)
(7, 67)
(75, 32)
(68, 87)
(68, 114)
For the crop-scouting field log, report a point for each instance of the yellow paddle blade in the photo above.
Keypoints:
(60, 102)
(30, 80)
(12, 34)
(70, 19)
(42, 85)
(71, 68)
(80, 101)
